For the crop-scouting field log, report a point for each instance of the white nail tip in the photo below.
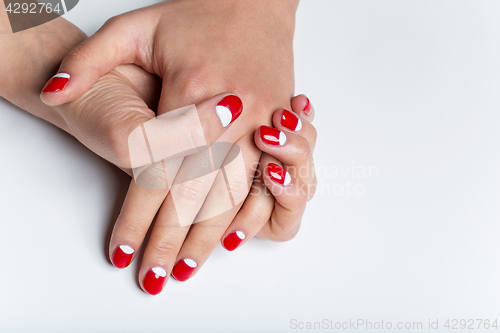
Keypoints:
(240, 234)
(126, 249)
(224, 114)
(62, 75)
(299, 126)
(288, 179)
(191, 263)
(159, 271)
(282, 138)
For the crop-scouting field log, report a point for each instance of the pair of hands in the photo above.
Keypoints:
(199, 49)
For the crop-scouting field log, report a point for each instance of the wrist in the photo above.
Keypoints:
(29, 59)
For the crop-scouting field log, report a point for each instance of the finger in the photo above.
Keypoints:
(249, 221)
(132, 223)
(114, 44)
(291, 184)
(104, 116)
(221, 205)
(302, 106)
(187, 194)
(161, 251)
(182, 132)
(290, 121)
(254, 213)
(291, 194)
(154, 180)
(291, 149)
(179, 210)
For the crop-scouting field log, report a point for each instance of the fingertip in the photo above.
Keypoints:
(233, 240)
(228, 109)
(154, 280)
(54, 89)
(278, 175)
(302, 105)
(122, 256)
(184, 269)
(287, 119)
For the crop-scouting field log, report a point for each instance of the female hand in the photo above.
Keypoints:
(199, 49)
(144, 85)
(284, 182)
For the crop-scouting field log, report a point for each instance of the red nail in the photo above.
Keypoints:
(183, 269)
(154, 280)
(233, 240)
(308, 107)
(278, 174)
(272, 136)
(229, 109)
(291, 121)
(122, 256)
(56, 83)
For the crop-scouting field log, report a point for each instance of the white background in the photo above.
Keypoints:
(409, 88)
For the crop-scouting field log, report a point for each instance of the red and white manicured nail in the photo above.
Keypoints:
(154, 280)
(233, 240)
(122, 256)
(308, 107)
(272, 136)
(56, 83)
(278, 174)
(229, 109)
(290, 121)
(183, 269)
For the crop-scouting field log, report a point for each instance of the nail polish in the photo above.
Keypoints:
(308, 107)
(229, 109)
(290, 121)
(278, 174)
(154, 280)
(233, 240)
(122, 256)
(183, 269)
(56, 83)
(272, 136)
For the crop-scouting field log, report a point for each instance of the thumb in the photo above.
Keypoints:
(183, 131)
(117, 42)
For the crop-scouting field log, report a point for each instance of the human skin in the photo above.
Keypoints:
(264, 82)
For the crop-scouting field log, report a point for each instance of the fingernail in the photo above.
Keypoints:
(183, 269)
(229, 109)
(272, 136)
(278, 174)
(154, 280)
(233, 240)
(308, 107)
(122, 256)
(290, 121)
(56, 83)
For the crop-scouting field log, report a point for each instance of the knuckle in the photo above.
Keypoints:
(284, 234)
(312, 188)
(113, 21)
(117, 142)
(193, 89)
(163, 249)
(238, 189)
(189, 192)
(204, 245)
(155, 177)
(302, 149)
(117, 130)
(80, 54)
(133, 228)
(313, 136)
